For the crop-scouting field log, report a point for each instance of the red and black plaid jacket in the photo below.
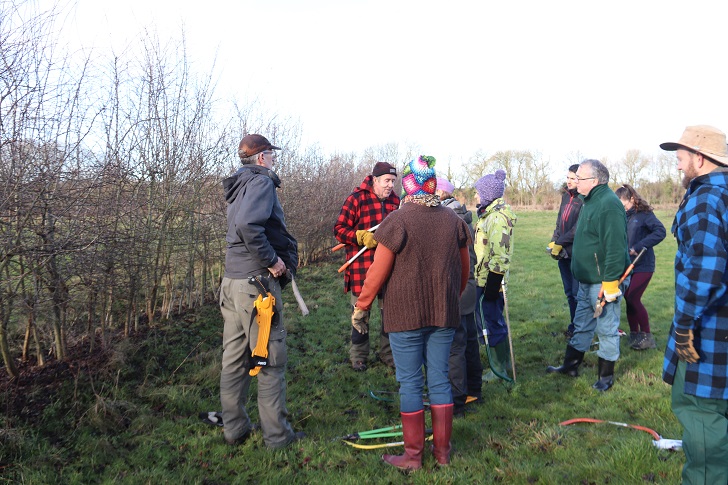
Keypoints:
(361, 210)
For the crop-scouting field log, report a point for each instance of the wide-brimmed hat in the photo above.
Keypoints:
(706, 140)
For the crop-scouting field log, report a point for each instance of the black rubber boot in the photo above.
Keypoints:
(572, 361)
(606, 375)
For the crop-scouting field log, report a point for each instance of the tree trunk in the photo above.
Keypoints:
(10, 367)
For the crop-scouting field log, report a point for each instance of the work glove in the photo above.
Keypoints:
(611, 290)
(360, 320)
(551, 245)
(684, 346)
(492, 286)
(555, 251)
(285, 278)
(366, 238)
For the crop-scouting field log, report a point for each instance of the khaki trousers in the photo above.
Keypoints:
(240, 336)
(359, 350)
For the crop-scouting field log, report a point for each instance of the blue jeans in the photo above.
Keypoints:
(606, 326)
(428, 346)
(571, 287)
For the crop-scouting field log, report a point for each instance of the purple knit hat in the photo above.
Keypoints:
(445, 185)
(491, 187)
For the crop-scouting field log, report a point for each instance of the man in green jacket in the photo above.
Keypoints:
(600, 256)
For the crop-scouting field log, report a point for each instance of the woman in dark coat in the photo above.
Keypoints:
(644, 230)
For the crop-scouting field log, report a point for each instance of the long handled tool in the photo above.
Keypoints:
(600, 299)
(341, 245)
(388, 432)
(508, 327)
(299, 298)
(382, 445)
(345, 265)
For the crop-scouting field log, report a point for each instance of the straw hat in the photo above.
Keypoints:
(704, 139)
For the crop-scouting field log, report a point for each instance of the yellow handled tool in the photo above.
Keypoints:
(264, 307)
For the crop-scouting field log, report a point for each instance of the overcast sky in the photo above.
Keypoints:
(453, 77)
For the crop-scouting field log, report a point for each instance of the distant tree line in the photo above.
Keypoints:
(111, 208)
(531, 179)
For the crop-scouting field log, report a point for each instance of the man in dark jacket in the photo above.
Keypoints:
(599, 258)
(258, 247)
(696, 358)
(563, 239)
(365, 208)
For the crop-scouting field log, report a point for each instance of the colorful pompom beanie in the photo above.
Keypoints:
(419, 176)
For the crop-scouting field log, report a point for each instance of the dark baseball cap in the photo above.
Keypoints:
(254, 144)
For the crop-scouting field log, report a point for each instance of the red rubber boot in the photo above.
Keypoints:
(441, 432)
(413, 430)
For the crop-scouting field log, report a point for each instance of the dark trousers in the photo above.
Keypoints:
(639, 320)
(489, 316)
(466, 370)
(571, 287)
(473, 366)
(359, 350)
(457, 372)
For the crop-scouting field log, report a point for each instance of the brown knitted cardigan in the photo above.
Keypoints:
(424, 285)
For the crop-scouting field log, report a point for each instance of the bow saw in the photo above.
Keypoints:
(659, 441)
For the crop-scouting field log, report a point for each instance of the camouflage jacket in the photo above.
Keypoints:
(494, 240)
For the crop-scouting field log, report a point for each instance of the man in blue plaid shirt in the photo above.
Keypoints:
(696, 358)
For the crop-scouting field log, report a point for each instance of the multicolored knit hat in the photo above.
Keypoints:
(418, 177)
(491, 187)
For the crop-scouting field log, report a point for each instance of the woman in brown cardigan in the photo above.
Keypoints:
(422, 265)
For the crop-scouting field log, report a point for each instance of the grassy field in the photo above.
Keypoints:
(131, 417)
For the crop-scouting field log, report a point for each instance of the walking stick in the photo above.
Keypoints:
(339, 246)
(508, 327)
(345, 265)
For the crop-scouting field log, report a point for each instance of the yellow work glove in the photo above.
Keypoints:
(555, 250)
(684, 346)
(611, 290)
(366, 238)
(360, 320)
(551, 245)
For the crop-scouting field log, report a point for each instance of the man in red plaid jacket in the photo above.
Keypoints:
(366, 207)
